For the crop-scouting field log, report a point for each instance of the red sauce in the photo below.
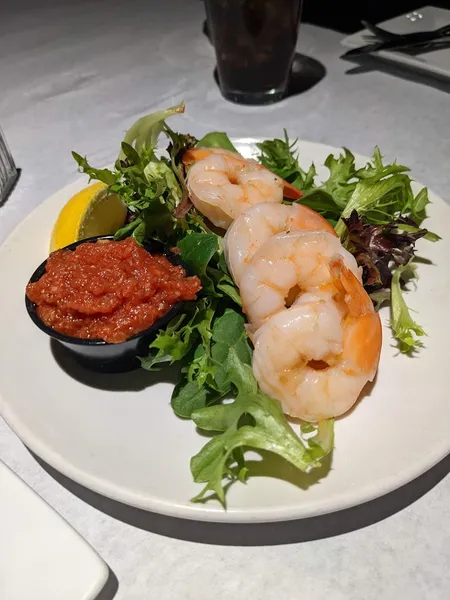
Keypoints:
(108, 290)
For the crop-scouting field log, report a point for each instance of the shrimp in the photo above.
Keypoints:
(317, 356)
(287, 265)
(223, 184)
(258, 224)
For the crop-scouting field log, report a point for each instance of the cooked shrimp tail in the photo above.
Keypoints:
(290, 191)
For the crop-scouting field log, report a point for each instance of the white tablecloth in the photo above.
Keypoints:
(73, 76)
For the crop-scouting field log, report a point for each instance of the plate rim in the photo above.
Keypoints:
(198, 512)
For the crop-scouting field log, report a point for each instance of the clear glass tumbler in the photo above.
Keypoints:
(255, 43)
(8, 170)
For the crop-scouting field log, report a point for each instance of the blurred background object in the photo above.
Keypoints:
(8, 170)
(347, 16)
(255, 43)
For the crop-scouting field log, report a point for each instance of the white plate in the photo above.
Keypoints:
(41, 556)
(116, 436)
(436, 62)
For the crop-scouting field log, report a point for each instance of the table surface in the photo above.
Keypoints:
(74, 75)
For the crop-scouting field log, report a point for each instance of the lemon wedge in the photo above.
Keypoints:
(91, 212)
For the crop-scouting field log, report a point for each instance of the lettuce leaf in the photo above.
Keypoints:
(104, 175)
(382, 194)
(184, 333)
(144, 133)
(181, 336)
(322, 202)
(406, 331)
(379, 192)
(378, 249)
(341, 182)
(197, 250)
(187, 397)
(229, 334)
(216, 139)
(252, 420)
(380, 201)
(278, 156)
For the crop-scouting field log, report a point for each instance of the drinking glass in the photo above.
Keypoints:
(8, 171)
(255, 43)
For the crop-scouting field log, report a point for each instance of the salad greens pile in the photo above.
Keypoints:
(376, 215)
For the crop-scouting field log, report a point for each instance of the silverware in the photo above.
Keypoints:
(380, 33)
(425, 40)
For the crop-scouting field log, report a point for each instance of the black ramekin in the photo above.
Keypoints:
(99, 355)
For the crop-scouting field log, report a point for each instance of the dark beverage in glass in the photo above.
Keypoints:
(255, 43)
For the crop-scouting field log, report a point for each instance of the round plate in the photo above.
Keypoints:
(117, 434)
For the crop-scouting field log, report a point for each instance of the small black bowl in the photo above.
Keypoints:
(99, 355)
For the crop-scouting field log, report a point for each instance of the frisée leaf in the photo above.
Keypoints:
(279, 157)
(144, 133)
(252, 420)
(406, 331)
(103, 175)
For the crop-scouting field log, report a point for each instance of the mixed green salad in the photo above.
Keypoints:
(378, 219)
